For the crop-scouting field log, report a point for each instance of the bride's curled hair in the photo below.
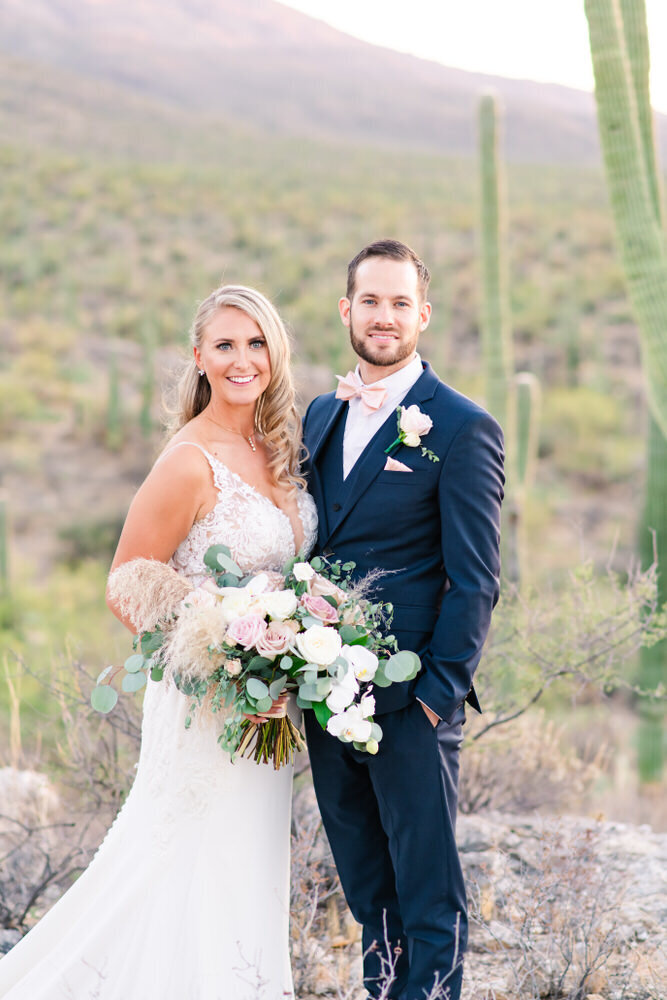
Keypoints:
(276, 417)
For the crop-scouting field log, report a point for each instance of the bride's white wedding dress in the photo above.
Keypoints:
(188, 896)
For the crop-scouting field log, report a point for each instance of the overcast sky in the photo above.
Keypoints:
(535, 39)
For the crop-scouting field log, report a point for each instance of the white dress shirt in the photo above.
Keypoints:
(361, 426)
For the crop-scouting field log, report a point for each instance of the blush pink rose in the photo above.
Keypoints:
(246, 631)
(319, 586)
(277, 639)
(414, 422)
(320, 609)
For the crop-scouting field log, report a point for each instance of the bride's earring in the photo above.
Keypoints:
(201, 371)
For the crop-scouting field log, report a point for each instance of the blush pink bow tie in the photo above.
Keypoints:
(350, 386)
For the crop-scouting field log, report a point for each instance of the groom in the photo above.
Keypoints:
(433, 528)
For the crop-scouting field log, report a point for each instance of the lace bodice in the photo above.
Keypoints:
(258, 533)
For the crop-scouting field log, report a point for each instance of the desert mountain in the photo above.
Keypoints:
(277, 70)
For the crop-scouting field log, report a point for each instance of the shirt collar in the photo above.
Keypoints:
(403, 379)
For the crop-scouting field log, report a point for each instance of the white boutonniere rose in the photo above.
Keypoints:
(413, 425)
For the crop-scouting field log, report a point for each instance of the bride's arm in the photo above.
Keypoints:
(169, 501)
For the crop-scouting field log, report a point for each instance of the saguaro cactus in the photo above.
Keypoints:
(638, 230)
(619, 44)
(512, 399)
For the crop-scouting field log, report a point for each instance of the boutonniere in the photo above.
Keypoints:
(413, 425)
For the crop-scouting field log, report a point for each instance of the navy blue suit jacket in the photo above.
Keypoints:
(434, 531)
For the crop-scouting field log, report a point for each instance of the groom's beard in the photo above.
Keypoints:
(383, 356)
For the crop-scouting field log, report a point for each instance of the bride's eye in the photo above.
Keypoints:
(258, 343)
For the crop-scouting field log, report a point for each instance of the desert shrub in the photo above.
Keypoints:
(525, 766)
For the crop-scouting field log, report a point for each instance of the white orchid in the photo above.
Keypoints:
(362, 660)
(342, 691)
(350, 725)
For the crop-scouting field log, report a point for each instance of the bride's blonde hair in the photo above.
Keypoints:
(276, 417)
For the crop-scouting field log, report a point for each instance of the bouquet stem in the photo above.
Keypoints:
(276, 739)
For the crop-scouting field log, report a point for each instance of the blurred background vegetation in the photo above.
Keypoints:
(120, 211)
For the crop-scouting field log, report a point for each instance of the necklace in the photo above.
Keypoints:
(250, 438)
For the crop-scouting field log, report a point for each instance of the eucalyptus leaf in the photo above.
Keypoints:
(105, 673)
(257, 688)
(258, 663)
(349, 633)
(380, 679)
(308, 621)
(289, 565)
(103, 698)
(229, 565)
(317, 564)
(310, 692)
(286, 663)
(134, 682)
(211, 555)
(135, 663)
(157, 673)
(303, 702)
(228, 580)
(276, 686)
(376, 732)
(151, 641)
(399, 666)
(264, 704)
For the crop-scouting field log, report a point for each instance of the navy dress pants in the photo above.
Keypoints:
(390, 821)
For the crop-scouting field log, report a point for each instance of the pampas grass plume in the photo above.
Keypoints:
(147, 592)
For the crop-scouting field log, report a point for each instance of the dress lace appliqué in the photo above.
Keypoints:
(258, 533)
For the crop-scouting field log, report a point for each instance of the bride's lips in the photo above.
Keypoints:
(241, 379)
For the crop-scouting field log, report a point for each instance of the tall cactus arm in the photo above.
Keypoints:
(639, 234)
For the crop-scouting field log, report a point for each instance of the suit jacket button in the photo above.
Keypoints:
(335, 506)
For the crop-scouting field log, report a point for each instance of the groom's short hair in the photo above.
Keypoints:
(395, 250)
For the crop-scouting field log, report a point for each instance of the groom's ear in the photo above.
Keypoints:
(424, 315)
(344, 310)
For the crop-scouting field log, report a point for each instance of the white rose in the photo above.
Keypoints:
(414, 423)
(279, 604)
(350, 726)
(319, 644)
(303, 571)
(362, 660)
(412, 439)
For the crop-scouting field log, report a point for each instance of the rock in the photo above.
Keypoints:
(8, 938)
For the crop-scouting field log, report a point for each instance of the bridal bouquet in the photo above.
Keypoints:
(234, 644)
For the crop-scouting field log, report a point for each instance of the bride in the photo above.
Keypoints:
(187, 898)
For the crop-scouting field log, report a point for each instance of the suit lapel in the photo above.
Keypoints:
(372, 460)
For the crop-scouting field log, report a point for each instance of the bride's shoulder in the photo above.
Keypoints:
(182, 459)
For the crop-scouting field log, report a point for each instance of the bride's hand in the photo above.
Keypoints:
(277, 711)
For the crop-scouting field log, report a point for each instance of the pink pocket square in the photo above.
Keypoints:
(392, 465)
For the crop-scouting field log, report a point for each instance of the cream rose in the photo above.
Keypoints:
(303, 571)
(319, 644)
(199, 598)
(319, 608)
(279, 604)
(233, 666)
